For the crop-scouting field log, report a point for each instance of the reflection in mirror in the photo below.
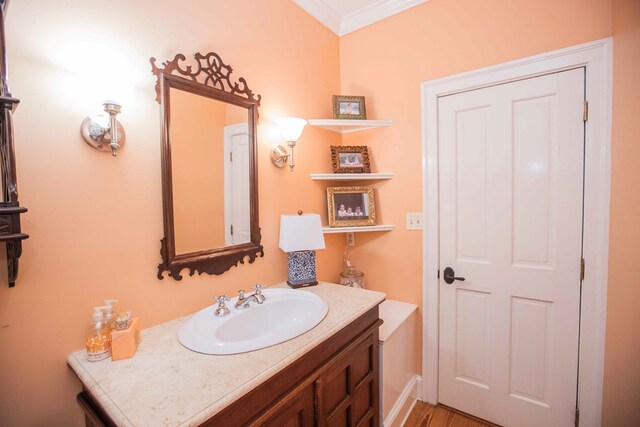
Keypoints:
(209, 146)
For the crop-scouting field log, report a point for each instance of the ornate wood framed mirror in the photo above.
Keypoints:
(209, 167)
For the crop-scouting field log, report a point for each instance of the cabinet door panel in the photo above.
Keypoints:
(362, 402)
(347, 389)
(294, 410)
(338, 419)
(362, 364)
(335, 387)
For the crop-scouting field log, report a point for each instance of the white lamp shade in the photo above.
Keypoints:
(291, 127)
(301, 233)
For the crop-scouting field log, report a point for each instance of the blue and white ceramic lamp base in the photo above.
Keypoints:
(302, 269)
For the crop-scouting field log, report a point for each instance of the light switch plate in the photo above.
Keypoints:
(414, 221)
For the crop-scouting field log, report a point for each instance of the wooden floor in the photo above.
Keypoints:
(426, 415)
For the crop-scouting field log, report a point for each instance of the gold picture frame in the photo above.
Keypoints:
(349, 107)
(351, 206)
(350, 159)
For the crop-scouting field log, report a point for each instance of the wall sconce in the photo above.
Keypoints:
(98, 129)
(291, 129)
(300, 236)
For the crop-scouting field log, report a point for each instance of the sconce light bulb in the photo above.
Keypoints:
(291, 128)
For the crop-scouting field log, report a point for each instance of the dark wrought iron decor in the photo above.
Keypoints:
(10, 209)
(210, 77)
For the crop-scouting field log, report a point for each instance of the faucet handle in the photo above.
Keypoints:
(241, 295)
(221, 299)
(259, 288)
(222, 309)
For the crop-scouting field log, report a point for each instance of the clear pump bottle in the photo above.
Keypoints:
(98, 342)
(109, 314)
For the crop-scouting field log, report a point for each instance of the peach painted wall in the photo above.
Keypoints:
(96, 221)
(235, 115)
(197, 159)
(388, 61)
(622, 358)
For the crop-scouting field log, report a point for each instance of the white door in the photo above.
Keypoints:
(511, 191)
(237, 200)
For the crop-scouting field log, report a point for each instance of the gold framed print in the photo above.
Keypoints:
(349, 107)
(351, 206)
(350, 159)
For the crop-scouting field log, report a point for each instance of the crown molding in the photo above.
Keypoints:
(374, 13)
(323, 13)
(342, 25)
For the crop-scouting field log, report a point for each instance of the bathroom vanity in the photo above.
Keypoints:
(326, 376)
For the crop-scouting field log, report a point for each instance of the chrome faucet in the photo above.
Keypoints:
(222, 309)
(257, 297)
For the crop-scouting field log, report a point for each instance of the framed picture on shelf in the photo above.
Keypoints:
(349, 107)
(351, 206)
(350, 159)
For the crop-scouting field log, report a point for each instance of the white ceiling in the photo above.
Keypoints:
(345, 16)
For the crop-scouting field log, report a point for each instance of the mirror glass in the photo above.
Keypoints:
(210, 172)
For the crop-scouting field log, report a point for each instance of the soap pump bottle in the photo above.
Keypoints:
(109, 314)
(98, 342)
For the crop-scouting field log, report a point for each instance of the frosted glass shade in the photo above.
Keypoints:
(301, 233)
(291, 127)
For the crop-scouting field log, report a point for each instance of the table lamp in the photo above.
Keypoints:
(300, 236)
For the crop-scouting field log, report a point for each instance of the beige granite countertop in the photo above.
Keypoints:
(167, 384)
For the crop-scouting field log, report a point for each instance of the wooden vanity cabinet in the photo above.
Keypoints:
(334, 384)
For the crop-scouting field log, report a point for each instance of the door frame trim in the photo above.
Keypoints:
(596, 56)
(229, 132)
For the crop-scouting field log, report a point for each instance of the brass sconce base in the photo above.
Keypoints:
(98, 129)
(95, 131)
(279, 156)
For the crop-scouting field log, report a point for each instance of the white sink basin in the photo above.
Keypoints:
(285, 314)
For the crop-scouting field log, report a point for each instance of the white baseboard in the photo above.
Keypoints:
(405, 403)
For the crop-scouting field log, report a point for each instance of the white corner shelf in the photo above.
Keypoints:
(348, 126)
(333, 230)
(349, 176)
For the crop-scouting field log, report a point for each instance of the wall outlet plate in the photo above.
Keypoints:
(414, 221)
(351, 239)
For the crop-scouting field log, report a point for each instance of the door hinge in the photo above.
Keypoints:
(577, 417)
(231, 156)
(585, 112)
(582, 269)
(438, 274)
(231, 227)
